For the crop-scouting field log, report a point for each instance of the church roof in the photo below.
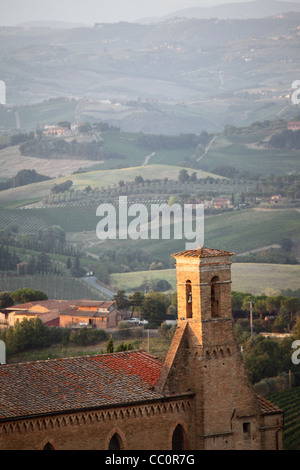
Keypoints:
(202, 253)
(88, 382)
(60, 385)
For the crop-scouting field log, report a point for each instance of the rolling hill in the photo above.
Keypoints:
(243, 10)
(174, 76)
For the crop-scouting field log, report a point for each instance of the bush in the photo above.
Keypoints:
(33, 334)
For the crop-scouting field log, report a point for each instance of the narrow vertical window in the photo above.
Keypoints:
(215, 297)
(178, 438)
(189, 300)
(115, 443)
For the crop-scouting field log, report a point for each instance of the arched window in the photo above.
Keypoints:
(189, 303)
(215, 297)
(115, 442)
(48, 446)
(178, 438)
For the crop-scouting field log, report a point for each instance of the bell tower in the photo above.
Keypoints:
(204, 358)
(204, 293)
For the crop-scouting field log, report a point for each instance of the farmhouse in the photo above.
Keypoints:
(54, 131)
(222, 203)
(293, 125)
(277, 199)
(200, 398)
(68, 313)
(97, 314)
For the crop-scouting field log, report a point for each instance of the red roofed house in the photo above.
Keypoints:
(68, 313)
(199, 398)
(222, 203)
(46, 310)
(293, 125)
(98, 314)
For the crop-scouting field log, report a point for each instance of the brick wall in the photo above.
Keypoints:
(140, 427)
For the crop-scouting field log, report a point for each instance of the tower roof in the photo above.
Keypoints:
(202, 253)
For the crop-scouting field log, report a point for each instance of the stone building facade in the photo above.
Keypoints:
(199, 398)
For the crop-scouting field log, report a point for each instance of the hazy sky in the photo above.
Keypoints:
(91, 11)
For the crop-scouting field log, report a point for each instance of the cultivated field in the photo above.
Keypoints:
(246, 277)
(11, 162)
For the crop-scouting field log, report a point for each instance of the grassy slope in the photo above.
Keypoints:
(248, 277)
(238, 151)
(239, 232)
(96, 179)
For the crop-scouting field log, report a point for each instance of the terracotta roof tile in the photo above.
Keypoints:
(202, 253)
(59, 385)
(49, 304)
(267, 407)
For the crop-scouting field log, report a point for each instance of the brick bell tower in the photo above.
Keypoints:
(205, 359)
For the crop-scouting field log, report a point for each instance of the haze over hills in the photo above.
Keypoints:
(177, 75)
(243, 10)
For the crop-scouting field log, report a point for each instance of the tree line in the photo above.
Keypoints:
(287, 139)
(34, 334)
(22, 178)
(44, 147)
(8, 259)
(282, 308)
(168, 142)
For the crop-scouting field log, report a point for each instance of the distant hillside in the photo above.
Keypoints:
(177, 61)
(51, 24)
(254, 9)
(179, 75)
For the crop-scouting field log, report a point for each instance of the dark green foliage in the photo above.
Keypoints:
(33, 334)
(22, 178)
(44, 147)
(272, 256)
(110, 345)
(5, 299)
(85, 336)
(124, 347)
(27, 295)
(154, 308)
(8, 259)
(159, 142)
(286, 139)
(122, 301)
(62, 187)
(25, 335)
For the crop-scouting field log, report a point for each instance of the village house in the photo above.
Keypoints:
(277, 199)
(54, 131)
(199, 398)
(67, 313)
(222, 203)
(95, 314)
(293, 125)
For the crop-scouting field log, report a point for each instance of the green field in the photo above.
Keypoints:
(49, 112)
(249, 229)
(95, 179)
(238, 232)
(246, 277)
(238, 151)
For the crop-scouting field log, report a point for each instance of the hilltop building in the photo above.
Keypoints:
(200, 398)
(293, 125)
